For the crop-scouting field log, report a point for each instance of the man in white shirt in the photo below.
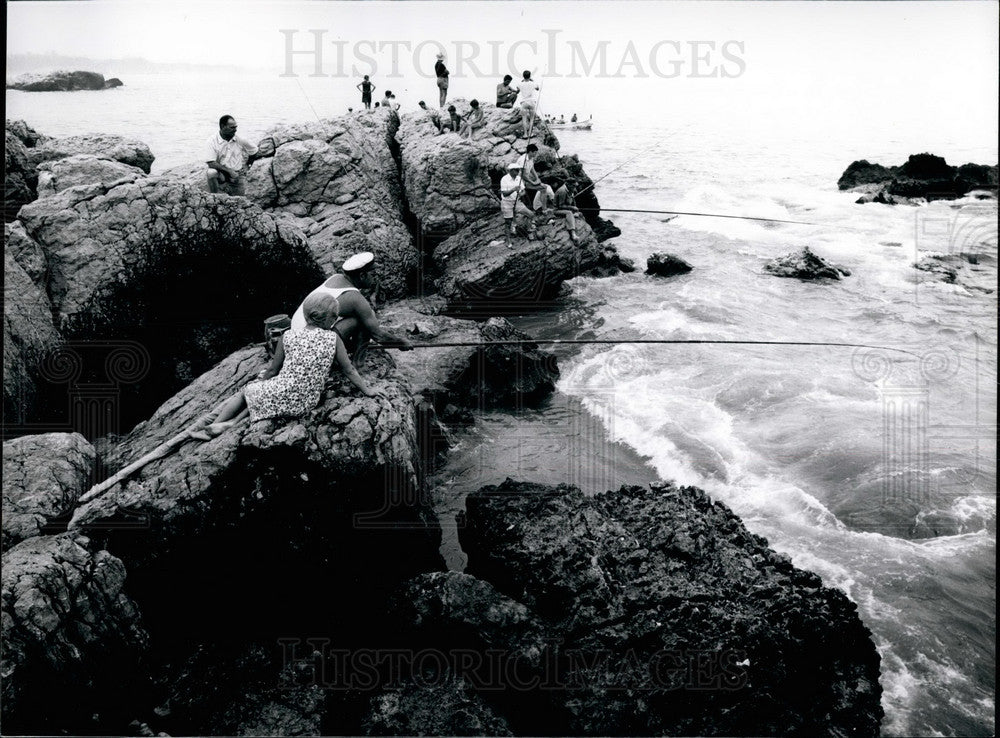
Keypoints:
(528, 89)
(228, 157)
(511, 188)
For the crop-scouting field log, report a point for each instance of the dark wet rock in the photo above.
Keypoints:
(664, 614)
(923, 176)
(57, 175)
(142, 267)
(475, 376)
(43, 477)
(30, 337)
(72, 637)
(20, 179)
(59, 82)
(438, 704)
(662, 264)
(962, 269)
(127, 151)
(804, 264)
(610, 263)
(337, 181)
(110, 84)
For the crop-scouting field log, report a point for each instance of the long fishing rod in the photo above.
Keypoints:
(628, 161)
(681, 212)
(616, 341)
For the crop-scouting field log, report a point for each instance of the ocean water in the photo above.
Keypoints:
(874, 468)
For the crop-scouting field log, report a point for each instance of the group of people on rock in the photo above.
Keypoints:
(522, 192)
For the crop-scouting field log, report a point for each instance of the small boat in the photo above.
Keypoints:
(583, 125)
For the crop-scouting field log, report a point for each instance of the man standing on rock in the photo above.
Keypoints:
(228, 157)
(529, 90)
(357, 324)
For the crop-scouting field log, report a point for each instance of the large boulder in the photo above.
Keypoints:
(43, 477)
(127, 151)
(72, 637)
(59, 82)
(181, 275)
(480, 275)
(337, 179)
(475, 374)
(863, 172)
(806, 265)
(667, 617)
(57, 175)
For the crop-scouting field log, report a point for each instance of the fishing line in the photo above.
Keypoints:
(681, 212)
(308, 101)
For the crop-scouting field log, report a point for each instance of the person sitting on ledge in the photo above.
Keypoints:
(565, 205)
(433, 115)
(228, 157)
(292, 384)
(357, 324)
(454, 121)
(506, 95)
(472, 122)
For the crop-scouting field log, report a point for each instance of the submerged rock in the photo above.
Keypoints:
(72, 637)
(655, 612)
(43, 477)
(804, 265)
(662, 264)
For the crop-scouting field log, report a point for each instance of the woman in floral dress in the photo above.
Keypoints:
(293, 383)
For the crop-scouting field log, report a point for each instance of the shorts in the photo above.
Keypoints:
(507, 208)
(442, 83)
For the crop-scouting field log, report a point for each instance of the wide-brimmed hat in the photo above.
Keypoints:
(358, 261)
(440, 56)
(516, 164)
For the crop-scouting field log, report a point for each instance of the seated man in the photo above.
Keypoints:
(433, 115)
(539, 194)
(228, 158)
(473, 122)
(357, 323)
(506, 95)
(454, 121)
(565, 205)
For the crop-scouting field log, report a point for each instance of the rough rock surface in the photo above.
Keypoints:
(83, 169)
(671, 618)
(43, 476)
(71, 635)
(965, 270)
(480, 275)
(610, 263)
(451, 182)
(116, 148)
(24, 133)
(472, 376)
(143, 261)
(804, 264)
(662, 264)
(337, 180)
(29, 335)
(921, 176)
(19, 177)
(63, 82)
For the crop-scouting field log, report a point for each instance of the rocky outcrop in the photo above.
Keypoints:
(922, 176)
(57, 175)
(72, 637)
(662, 264)
(337, 181)
(63, 82)
(480, 275)
(647, 612)
(152, 262)
(20, 178)
(30, 338)
(43, 477)
(964, 270)
(804, 264)
(473, 375)
(127, 151)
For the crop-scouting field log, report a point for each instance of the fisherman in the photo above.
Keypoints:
(565, 205)
(433, 115)
(543, 194)
(228, 158)
(357, 324)
(473, 121)
(366, 88)
(510, 202)
(441, 72)
(506, 95)
(528, 89)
